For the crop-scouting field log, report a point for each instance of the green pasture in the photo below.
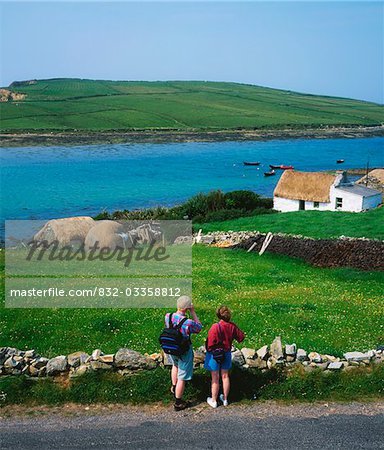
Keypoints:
(316, 224)
(327, 310)
(75, 104)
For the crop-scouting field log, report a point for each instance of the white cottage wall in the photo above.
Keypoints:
(285, 204)
(351, 202)
(322, 206)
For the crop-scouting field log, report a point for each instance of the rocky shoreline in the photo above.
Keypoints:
(164, 136)
(125, 361)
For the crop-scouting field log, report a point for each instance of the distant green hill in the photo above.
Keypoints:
(75, 104)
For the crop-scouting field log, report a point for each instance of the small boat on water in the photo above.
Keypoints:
(340, 161)
(281, 167)
(249, 163)
(270, 173)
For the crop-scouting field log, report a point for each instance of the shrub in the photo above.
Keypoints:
(266, 202)
(104, 215)
(247, 200)
(224, 214)
(201, 204)
(210, 207)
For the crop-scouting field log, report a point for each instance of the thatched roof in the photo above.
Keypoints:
(375, 179)
(310, 186)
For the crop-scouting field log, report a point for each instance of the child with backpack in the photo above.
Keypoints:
(175, 340)
(218, 357)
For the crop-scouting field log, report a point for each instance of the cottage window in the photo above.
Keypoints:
(315, 204)
(339, 202)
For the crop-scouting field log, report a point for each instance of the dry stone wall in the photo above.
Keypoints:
(364, 254)
(126, 361)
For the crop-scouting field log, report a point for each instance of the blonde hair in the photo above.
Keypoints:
(184, 302)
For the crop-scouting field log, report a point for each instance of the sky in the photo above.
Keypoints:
(324, 47)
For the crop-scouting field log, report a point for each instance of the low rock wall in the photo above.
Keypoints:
(126, 361)
(364, 254)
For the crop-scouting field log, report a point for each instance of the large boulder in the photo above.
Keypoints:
(106, 234)
(71, 230)
(132, 360)
(57, 365)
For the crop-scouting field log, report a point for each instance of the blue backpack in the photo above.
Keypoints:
(172, 341)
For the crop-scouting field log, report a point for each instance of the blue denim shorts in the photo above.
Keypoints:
(184, 365)
(212, 365)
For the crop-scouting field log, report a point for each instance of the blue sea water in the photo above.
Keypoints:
(47, 182)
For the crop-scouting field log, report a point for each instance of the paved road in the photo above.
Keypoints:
(266, 426)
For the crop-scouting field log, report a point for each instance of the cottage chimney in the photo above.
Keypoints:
(342, 178)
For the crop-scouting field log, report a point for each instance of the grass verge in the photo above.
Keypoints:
(153, 386)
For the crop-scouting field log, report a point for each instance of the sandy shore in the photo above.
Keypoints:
(160, 136)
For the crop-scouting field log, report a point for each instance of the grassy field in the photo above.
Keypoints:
(316, 224)
(74, 104)
(328, 310)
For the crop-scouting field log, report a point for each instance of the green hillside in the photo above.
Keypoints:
(75, 104)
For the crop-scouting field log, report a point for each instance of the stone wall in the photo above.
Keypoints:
(365, 254)
(126, 361)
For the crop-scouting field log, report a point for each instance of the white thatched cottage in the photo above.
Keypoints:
(326, 192)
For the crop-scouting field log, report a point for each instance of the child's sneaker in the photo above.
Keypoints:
(224, 402)
(211, 402)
